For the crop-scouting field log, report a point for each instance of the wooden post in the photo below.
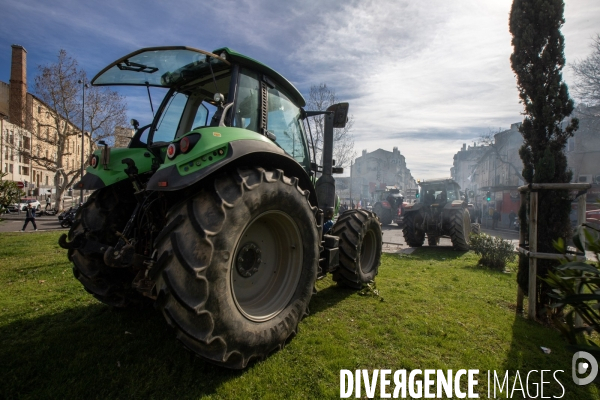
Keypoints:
(533, 207)
(581, 208)
(521, 230)
(520, 293)
(520, 296)
(581, 218)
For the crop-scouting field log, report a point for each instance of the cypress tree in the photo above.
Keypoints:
(537, 60)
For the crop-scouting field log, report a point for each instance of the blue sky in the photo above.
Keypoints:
(425, 76)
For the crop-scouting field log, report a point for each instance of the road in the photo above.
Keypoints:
(14, 223)
(393, 240)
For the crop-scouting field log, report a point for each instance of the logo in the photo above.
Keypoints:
(580, 367)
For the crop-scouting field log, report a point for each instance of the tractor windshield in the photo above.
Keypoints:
(161, 67)
(439, 193)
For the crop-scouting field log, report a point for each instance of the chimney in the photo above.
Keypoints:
(18, 86)
(364, 152)
(464, 148)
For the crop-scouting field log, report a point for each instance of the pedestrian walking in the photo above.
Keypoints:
(511, 218)
(495, 219)
(29, 216)
(48, 203)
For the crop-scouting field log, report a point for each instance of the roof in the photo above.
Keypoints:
(246, 61)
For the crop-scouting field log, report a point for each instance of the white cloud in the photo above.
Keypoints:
(424, 76)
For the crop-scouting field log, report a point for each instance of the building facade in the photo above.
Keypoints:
(497, 167)
(376, 170)
(28, 141)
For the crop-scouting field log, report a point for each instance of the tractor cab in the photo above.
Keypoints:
(207, 90)
(438, 193)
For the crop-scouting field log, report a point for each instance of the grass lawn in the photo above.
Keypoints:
(439, 311)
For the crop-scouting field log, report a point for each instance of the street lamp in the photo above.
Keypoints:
(83, 86)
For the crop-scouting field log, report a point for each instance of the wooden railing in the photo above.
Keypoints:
(532, 252)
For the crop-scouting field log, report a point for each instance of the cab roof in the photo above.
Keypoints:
(164, 66)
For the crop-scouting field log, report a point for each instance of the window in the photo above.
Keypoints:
(25, 170)
(284, 122)
(11, 138)
(46, 180)
(10, 168)
(247, 105)
(5, 167)
(26, 143)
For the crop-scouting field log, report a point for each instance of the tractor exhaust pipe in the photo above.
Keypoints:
(336, 116)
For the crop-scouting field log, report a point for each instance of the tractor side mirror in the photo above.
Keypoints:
(340, 116)
(134, 122)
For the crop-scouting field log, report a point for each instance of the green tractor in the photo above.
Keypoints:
(440, 212)
(213, 213)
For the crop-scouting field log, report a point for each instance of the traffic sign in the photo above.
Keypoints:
(20, 185)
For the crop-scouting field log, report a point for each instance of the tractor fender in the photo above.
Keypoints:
(99, 176)
(240, 153)
(413, 208)
(454, 205)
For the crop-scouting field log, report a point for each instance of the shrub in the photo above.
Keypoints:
(576, 290)
(495, 252)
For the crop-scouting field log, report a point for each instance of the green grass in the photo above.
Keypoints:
(439, 311)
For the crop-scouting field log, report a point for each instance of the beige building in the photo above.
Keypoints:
(376, 170)
(123, 136)
(29, 138)
(497, 168)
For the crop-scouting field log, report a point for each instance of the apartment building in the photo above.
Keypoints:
(28, 141)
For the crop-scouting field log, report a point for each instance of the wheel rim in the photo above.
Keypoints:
(368, 252)
(267, 266)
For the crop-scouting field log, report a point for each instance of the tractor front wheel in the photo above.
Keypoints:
(105, 213)
(360, 248)
(460, 229)
(412, 236)
(237, 266)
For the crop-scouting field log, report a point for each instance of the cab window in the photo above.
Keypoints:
(247, 105)
(284, 121)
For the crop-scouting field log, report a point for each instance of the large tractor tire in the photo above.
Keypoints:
(360, 248)
(385, 215)
(106, 211)
(412, 236)
(237, 266)
(475, 228)
(460, 229)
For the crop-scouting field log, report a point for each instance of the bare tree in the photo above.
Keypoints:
(55, 122)
(488, 139)
(587, 75)
(319, 99)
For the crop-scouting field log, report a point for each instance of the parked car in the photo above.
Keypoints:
(22, 205)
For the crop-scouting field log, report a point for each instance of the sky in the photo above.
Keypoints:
(425, 76)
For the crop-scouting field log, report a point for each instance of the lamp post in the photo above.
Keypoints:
(83, 86)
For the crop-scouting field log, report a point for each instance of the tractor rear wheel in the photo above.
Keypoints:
(460, 229)
(475, 228)
(412, 236)
(237, 266)
(385, 215)
(105, 212)
(360, 248)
